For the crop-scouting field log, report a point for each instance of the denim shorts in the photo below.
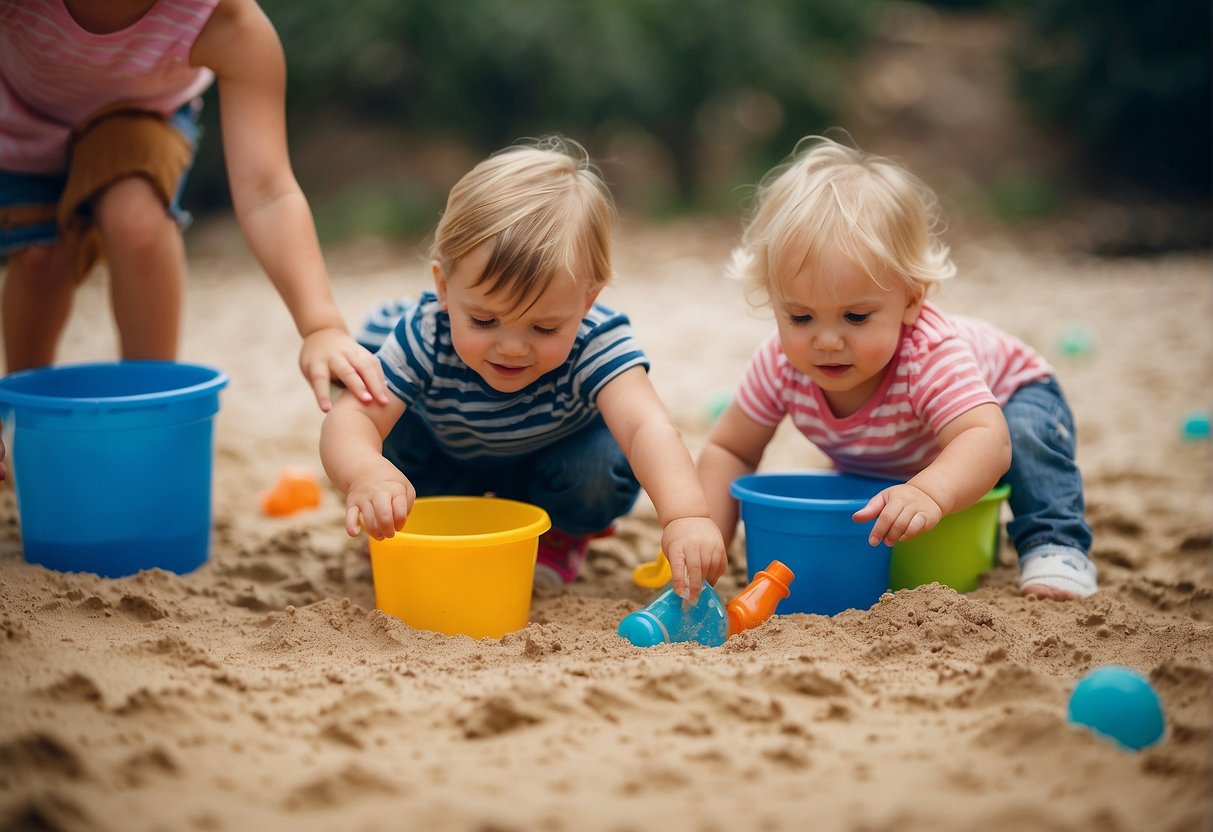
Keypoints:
(39, 189)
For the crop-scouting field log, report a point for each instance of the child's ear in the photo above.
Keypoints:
(914, 307)
(439, 283)
(589, 300)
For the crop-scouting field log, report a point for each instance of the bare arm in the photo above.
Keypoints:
(240, 46)
(734, 448)
(662, 464)
(378, 496)
(976, 453)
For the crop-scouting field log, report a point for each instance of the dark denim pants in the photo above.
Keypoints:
(1046, 485)
(583, 481)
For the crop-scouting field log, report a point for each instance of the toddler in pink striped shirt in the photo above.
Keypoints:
(842, 244)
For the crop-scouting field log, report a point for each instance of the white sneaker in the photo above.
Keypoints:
(1061, 568)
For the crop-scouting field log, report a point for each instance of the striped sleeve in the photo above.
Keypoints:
(408, 355)
(608, 350)
(948, 383)
(760, 392)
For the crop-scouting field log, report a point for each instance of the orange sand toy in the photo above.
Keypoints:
(756, 603)
(295, 490)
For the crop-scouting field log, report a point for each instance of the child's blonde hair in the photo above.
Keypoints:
(543, 207)
(829, 197)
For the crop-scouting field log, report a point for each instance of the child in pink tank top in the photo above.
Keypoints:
(842, 245)
(72, 180)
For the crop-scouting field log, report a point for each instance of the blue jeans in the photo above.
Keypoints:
(583, 481)
(1046, 485)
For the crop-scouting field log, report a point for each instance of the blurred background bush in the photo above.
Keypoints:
(1018, 111)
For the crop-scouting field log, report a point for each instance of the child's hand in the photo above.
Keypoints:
(696, 553)
(902, 512)
(379, 505)
(329, 355)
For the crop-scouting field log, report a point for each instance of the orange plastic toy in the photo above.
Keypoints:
(756, 603)
(295, 490)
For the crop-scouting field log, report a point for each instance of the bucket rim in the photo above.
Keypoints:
(740, 488)
(535, 527)
(218, 380)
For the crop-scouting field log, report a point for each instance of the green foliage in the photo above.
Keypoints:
(1020, 196)
(1130, 81)
(687, 73)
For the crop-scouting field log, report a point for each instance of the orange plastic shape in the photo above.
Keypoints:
(295, 490)
(756, 603)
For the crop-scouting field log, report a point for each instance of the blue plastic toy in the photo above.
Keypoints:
(1196, 426)
(1118, 703)
(717, 402)
(1076, 339)
(665, 621)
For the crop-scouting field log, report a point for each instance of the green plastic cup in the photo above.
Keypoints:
(956, 552)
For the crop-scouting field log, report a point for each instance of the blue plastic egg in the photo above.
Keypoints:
(1118, 703)
(1196, 426)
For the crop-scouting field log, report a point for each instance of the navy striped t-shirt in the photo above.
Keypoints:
(473, 422)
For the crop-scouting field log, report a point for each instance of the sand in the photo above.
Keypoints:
(264, 691)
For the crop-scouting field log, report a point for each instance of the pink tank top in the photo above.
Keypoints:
(53, 73)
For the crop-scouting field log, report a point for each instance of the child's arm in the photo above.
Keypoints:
(734, 448)
(240, 46)
(663, 466)
(976, 453)
(377, 495)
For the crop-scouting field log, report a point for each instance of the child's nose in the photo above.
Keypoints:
(827, 339)
(512, 345)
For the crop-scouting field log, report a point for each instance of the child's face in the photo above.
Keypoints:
(510, 344)
(842, 329)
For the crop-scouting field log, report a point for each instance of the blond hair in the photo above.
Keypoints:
(831, 198)
(543, 207)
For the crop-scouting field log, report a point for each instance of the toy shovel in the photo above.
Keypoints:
(654, 574)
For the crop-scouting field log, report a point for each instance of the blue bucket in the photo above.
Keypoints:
(111, 464)
(804, 520)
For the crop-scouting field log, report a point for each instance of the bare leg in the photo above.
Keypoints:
(37, 300)
(147, 268)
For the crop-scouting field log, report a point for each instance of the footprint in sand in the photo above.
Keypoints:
(37, 755)
(340, 788)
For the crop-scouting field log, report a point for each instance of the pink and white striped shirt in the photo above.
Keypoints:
(944, 366)
(54, 74)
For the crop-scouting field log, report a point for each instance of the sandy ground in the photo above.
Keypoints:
(264, 691)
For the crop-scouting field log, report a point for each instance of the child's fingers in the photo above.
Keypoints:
(353, 521)
(318, 378)
(351, 379)
(918, 524)
(694, 568)
(908, 523)
(401, 505)
(678, 570)
(882, 526)
(371, 374)
(872, 509)
(384, 513)
(719, 565)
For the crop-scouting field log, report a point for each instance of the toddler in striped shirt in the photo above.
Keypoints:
(510, 378)
(842, 245)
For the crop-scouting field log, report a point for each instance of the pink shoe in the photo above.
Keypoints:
(561, 556)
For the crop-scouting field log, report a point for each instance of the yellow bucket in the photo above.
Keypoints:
(961, 548)
(461, 566)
